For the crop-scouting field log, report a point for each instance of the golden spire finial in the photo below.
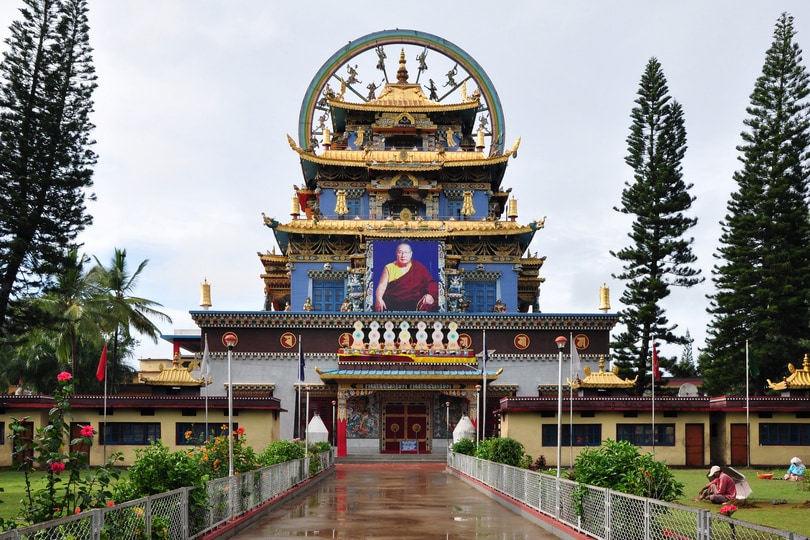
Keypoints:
(604, 298)
(402, 72)
(205, 294)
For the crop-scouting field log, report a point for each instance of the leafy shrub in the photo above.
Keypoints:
(320, 447)
(156, 470)
(464, 446)
(502, 450)
(620, 466)
(281, 451)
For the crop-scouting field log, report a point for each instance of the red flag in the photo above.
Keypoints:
(656, 373)
(102, 364)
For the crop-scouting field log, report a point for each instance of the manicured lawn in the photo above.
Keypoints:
(13, 484)
(793, 516)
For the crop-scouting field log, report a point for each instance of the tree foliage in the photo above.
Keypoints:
(46, 85)
(659, 256)
(762, 277)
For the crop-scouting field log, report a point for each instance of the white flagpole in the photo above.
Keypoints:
(483, 411)
(297, 431)
(654, 373)
(205, 370)
(747, 411)
(571, 404)
(106, 442)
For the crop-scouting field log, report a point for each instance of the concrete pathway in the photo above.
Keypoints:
(402, 501)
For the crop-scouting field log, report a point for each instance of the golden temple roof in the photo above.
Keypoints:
(602, 379)
(416, 229)
(174, 376)
(799, 379)
(403, 159)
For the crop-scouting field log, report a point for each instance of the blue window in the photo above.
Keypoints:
(584, 435)
(327, 295)
(134, 433)
(481, 295)
(641, 434)
(454, 208)
(771, 434)
(354, 206)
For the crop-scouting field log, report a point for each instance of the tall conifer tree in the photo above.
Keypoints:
(659, 256)
(46, 85)
(762, 278)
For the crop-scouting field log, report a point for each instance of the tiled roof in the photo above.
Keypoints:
(799, 379)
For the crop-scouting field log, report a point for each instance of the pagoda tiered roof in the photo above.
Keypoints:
(602, 378)
(799, 379)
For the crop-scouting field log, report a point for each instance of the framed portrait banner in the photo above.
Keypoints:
(405, 276)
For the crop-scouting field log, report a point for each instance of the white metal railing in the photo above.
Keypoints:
(606, 514)
(170, 515)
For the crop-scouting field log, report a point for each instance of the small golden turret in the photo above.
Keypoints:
(327, 138)
(604, 298)
(295, 209)
(512, 212)
(205, 294)
(479, 145)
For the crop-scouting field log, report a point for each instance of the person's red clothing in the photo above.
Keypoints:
(725, 486)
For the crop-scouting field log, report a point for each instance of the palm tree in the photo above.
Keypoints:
(126, 312)
(76, 309)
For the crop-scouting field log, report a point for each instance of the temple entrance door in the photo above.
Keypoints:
(405, 428)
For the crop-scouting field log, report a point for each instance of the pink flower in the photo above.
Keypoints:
(728, 510)
(57, 467)
(88, 431)
(240, 431)
(77, 511)
(64, 376)
(110, 503)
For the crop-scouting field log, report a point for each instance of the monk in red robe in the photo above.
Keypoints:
(406, 285)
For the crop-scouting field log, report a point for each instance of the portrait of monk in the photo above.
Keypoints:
(406, 285)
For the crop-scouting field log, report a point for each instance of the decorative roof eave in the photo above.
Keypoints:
(799, 379)
(370, 227)
(391, 159)
(397, 375)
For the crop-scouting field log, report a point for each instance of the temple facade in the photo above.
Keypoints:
(403, 283)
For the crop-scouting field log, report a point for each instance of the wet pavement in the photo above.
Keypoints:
(405, 501)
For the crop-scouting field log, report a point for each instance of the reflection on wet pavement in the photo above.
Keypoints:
(406, 501)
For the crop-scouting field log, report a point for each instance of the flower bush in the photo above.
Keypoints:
(51, 452)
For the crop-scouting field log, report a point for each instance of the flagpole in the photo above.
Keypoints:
(105, 408)
(570, 404)
(654, 375)
(747, 410)
(483, 411)
(297, 430)
(205, 369)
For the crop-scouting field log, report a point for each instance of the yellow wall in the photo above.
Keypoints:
(261, 428)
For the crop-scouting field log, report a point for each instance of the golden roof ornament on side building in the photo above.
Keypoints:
(205, 294)
(175, 376)
(799, 379)
(604, 298)
(602, 378)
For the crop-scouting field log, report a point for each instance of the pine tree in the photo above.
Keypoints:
(762, 278)
(659, 256)
(46, 85)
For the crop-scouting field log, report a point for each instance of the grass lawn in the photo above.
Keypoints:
(13, 484)
(758, 508)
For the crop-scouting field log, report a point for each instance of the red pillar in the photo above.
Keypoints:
(341, 437)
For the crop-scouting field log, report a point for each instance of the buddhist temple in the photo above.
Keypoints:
(797, 383)
(403, 283)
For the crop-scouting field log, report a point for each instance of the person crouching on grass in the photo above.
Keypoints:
(720, 489)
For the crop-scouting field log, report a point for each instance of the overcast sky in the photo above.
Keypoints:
(196, 97)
